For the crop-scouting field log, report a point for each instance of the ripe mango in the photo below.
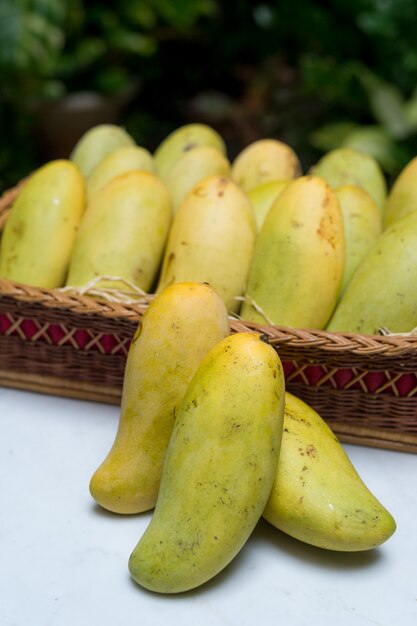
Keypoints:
(182, 140)
(347, 166)
(163, 357)
(96, 143)
(382, 293)
(118, 162)
(265, 160)
(318, 497)
(402, 198)
(123, 233)
(219, 467)
(262, 197)
(297, 265)
(191, 168)
(211, 239)
(363, 225)
(40, 232)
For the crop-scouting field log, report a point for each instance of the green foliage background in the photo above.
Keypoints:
(314, 74)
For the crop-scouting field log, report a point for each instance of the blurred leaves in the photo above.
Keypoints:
(315, 74)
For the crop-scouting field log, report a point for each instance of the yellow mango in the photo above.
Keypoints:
(163, 357)
(123, 233)
(347, 166)
(298, 261)
(402, 198)
(363, 225)
(182, 140)
(118, 162)
(318, 497)
(211, 239)
(191, 168)
(39, 234)
(219, 467)
(381, 292)
(265, 160)
(262, 197)
(96, 143)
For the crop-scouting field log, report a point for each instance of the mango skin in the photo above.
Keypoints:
(40, 232)
(163, 357)
(318, 496)
(402, 198)
(219, 467)
(262, 198)
(298, 261)
(382, 293)
(265, 160)
(96, 143)
(191, 168)
(363, 226)
(211, 240)
(181, 141)
(347, 166)
(123, 233)
(118, 162)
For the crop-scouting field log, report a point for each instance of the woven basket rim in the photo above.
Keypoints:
(392, 345)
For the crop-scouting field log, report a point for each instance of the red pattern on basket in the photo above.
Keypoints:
(59, 335)
(375, 382)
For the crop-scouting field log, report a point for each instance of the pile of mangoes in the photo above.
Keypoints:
(208, 436)
(330, 249)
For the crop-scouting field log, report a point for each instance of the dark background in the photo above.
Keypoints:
(314, 74)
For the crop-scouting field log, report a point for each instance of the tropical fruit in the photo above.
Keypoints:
(219, 467)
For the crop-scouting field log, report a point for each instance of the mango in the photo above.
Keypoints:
(347, 166)
(298, 261)
(211, 240)
(265, 160)
(362, 223)
(219, 467)
(164, 355)
(118, 162)
(182, 140)
(381, 292)
(402, 198)
(123, 233)
(96, 143)
(318, 497)
(40, 231)
(262, 197)
(191, 168)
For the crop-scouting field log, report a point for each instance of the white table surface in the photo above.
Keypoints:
(63, 561)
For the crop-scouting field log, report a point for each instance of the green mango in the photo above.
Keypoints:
(123, 233)
(265, 160)
(381, 292)
(298, 261)
(363, 226)
(40, 231)
(211, 240)
(347, 166)
(318, 497)
(191, 168)
(163, 357)
(402, 198)
(120, 161)
(182, 140)
(219, 467)
(262, 198)
(96, 143)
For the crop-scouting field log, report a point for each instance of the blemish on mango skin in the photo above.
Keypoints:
(311, 451)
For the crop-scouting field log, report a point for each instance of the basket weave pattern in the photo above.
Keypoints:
(73, 345)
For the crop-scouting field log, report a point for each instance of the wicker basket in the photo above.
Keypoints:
(76, 346)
